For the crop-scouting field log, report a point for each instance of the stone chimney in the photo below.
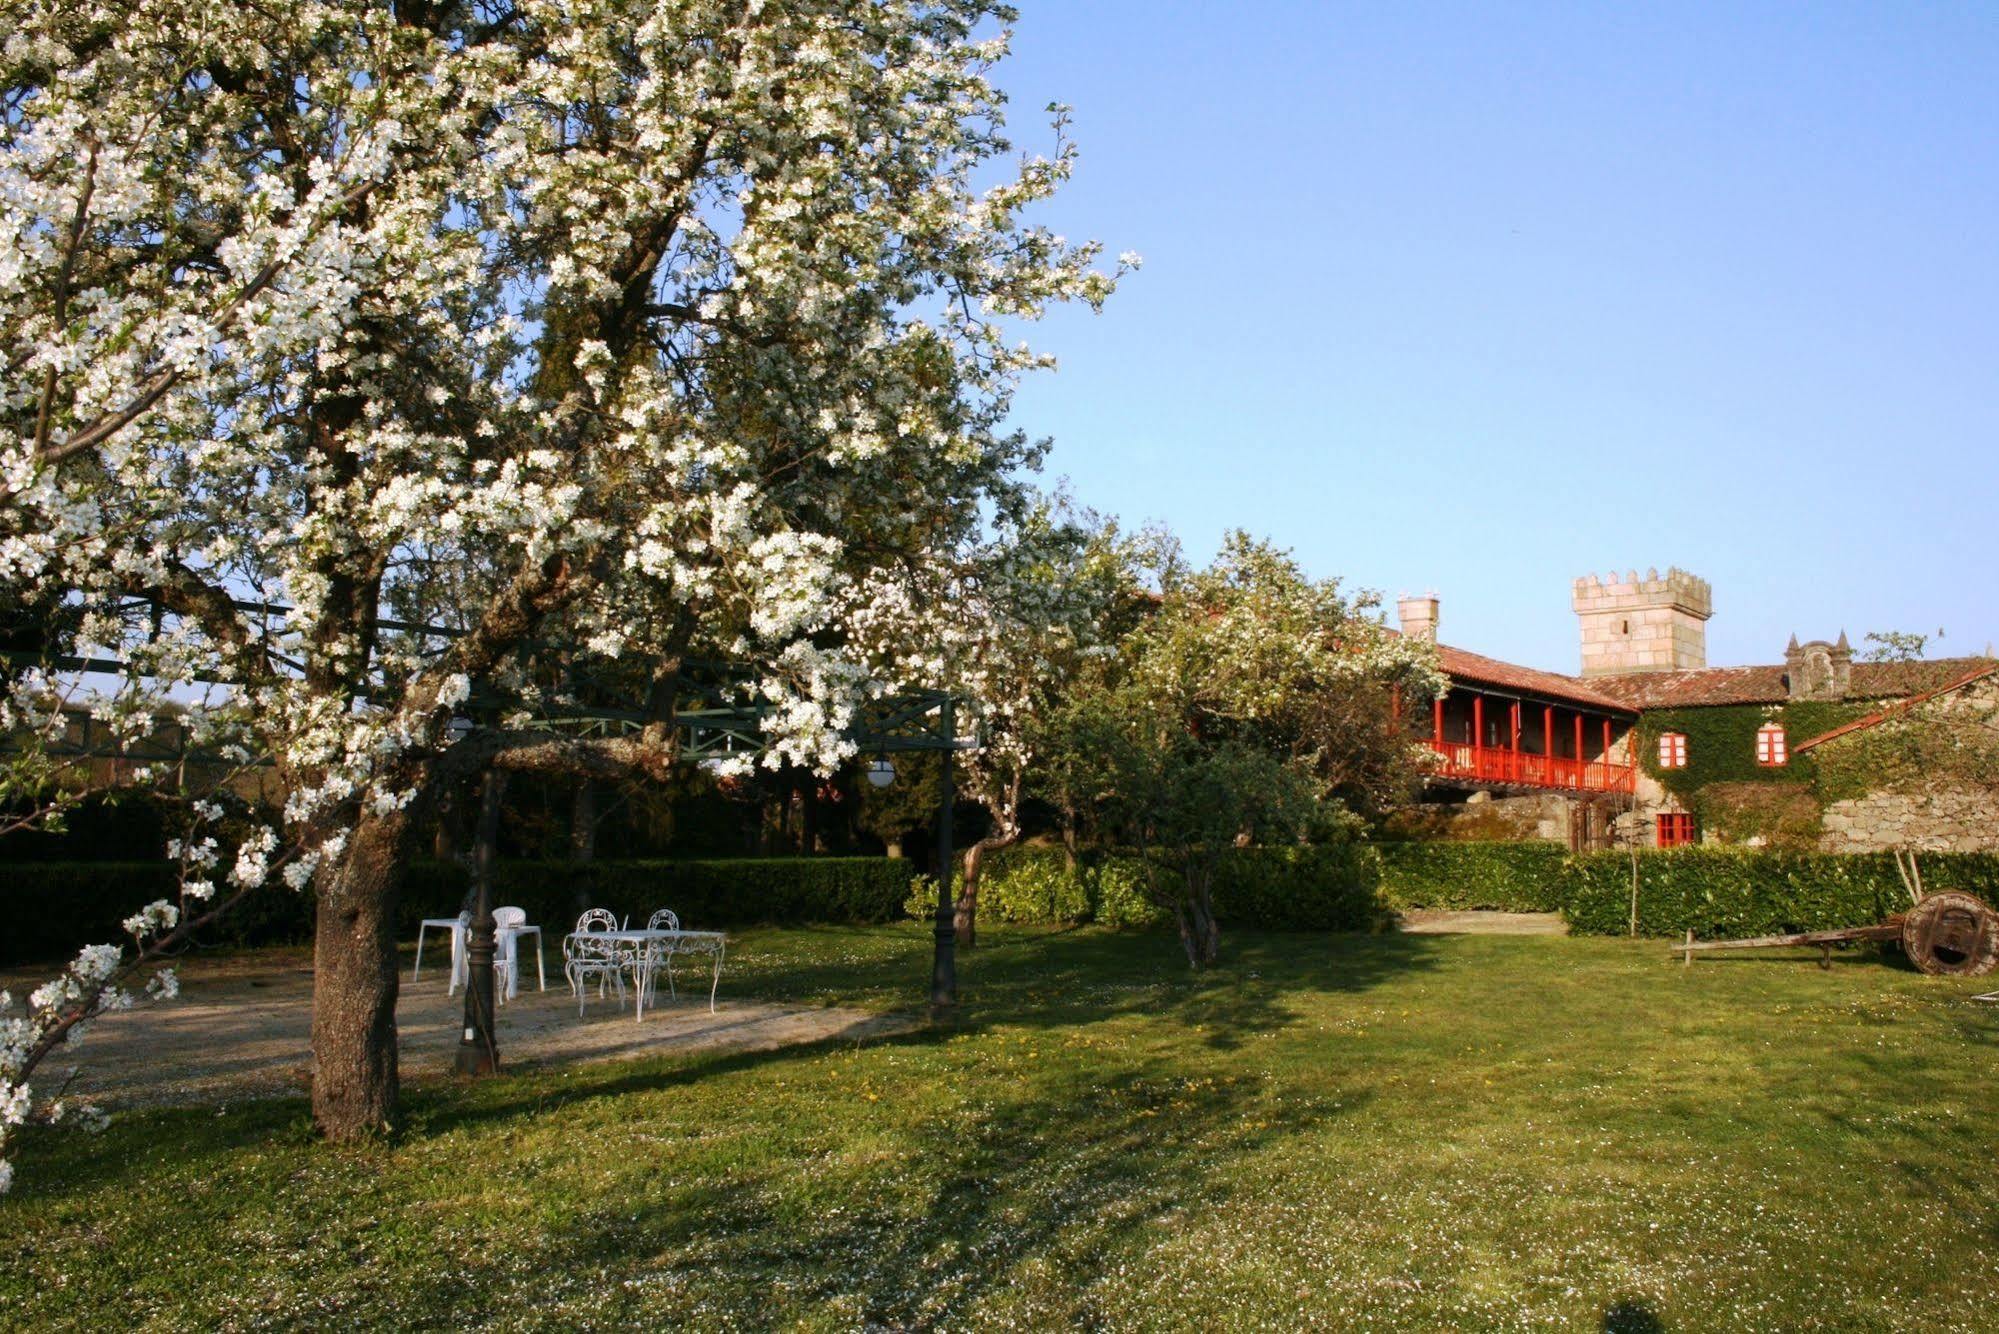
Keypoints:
(1418, 616)
(1819, 670)
(1654, 624)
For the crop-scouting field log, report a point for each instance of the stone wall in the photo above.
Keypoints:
(1485, 816)
(1931, 774)
(1950, 821)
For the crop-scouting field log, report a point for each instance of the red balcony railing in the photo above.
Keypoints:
(1491, 764)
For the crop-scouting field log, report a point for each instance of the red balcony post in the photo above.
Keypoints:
(1579, 738)
(1478, 722)
(1513, 769)
(1548, 742)
(1437, 723)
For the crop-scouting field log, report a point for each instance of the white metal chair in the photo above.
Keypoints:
(584, 958)
(664, 920)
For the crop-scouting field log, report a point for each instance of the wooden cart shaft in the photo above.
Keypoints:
(1888, 930)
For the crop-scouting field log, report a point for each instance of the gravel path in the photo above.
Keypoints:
(242, 1027)
(1428, 922)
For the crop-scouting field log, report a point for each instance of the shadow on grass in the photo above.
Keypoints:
(1029, 1198)
(1632, 1316)
(1043, 981)
(1050, 981)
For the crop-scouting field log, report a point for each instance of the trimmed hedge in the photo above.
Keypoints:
(1464, 876)
(54, 908)
(1304, 889)
(1727, 892)
(729, 892)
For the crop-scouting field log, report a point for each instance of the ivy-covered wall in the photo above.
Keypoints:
(1732, 797)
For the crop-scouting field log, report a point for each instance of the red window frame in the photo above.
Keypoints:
(1676, 829)
(1773, 749)
(1672, 750)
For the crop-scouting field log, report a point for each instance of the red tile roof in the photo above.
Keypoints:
(1708, 686)
(1477, 669)
(1984, 668)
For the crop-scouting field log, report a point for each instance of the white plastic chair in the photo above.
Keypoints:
(506, 953)
(459, 964)
(584, 958)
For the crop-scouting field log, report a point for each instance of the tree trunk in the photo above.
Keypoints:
(1200, 934)
(1211, 934)
(808, 818)
(1182, 917)
(965, 912)
(449, 841)
(354, 985)
(583, 823)
(965, 918)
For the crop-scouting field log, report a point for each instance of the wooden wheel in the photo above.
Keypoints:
(1952, 934)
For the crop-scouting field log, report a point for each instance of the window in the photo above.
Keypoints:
(1672, 750)
(1676, 829)
(1770, 747)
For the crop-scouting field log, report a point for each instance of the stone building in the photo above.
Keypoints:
(1649, 744)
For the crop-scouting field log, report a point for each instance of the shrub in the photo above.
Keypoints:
(1726, 892)
(1117, 896)
(1314, 889)
(730, 892)
(1033, 885)
(1505, 877)
(1333, 888)
(54, 908)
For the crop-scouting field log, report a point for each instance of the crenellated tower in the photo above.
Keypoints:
(1654, 624)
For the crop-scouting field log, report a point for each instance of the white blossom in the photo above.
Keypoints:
(393, 364)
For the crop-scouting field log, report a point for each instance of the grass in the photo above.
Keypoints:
(1396, 1131)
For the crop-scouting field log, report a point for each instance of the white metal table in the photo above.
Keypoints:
(656, 948)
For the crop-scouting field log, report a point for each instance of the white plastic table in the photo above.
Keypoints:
(447, 924)
(514, 973)
(658, 946)
(450, 924)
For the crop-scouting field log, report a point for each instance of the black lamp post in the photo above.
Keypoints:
(944, 959)
(478, 1044)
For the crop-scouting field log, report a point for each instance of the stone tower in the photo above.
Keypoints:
(1654, 624)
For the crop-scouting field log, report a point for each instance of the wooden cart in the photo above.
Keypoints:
(1946, 935)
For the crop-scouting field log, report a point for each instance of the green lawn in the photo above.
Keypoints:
(1409, 1132)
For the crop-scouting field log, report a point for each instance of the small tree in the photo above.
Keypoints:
(1895, 646)
(1251, 704)
(909, 802)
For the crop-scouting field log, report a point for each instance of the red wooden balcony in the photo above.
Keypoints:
(1492, 764)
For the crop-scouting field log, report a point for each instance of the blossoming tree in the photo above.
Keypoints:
(617, 328)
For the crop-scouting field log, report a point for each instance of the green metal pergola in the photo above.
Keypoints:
(718, 722)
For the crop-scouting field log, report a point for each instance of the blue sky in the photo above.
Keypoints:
(1480, 299)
